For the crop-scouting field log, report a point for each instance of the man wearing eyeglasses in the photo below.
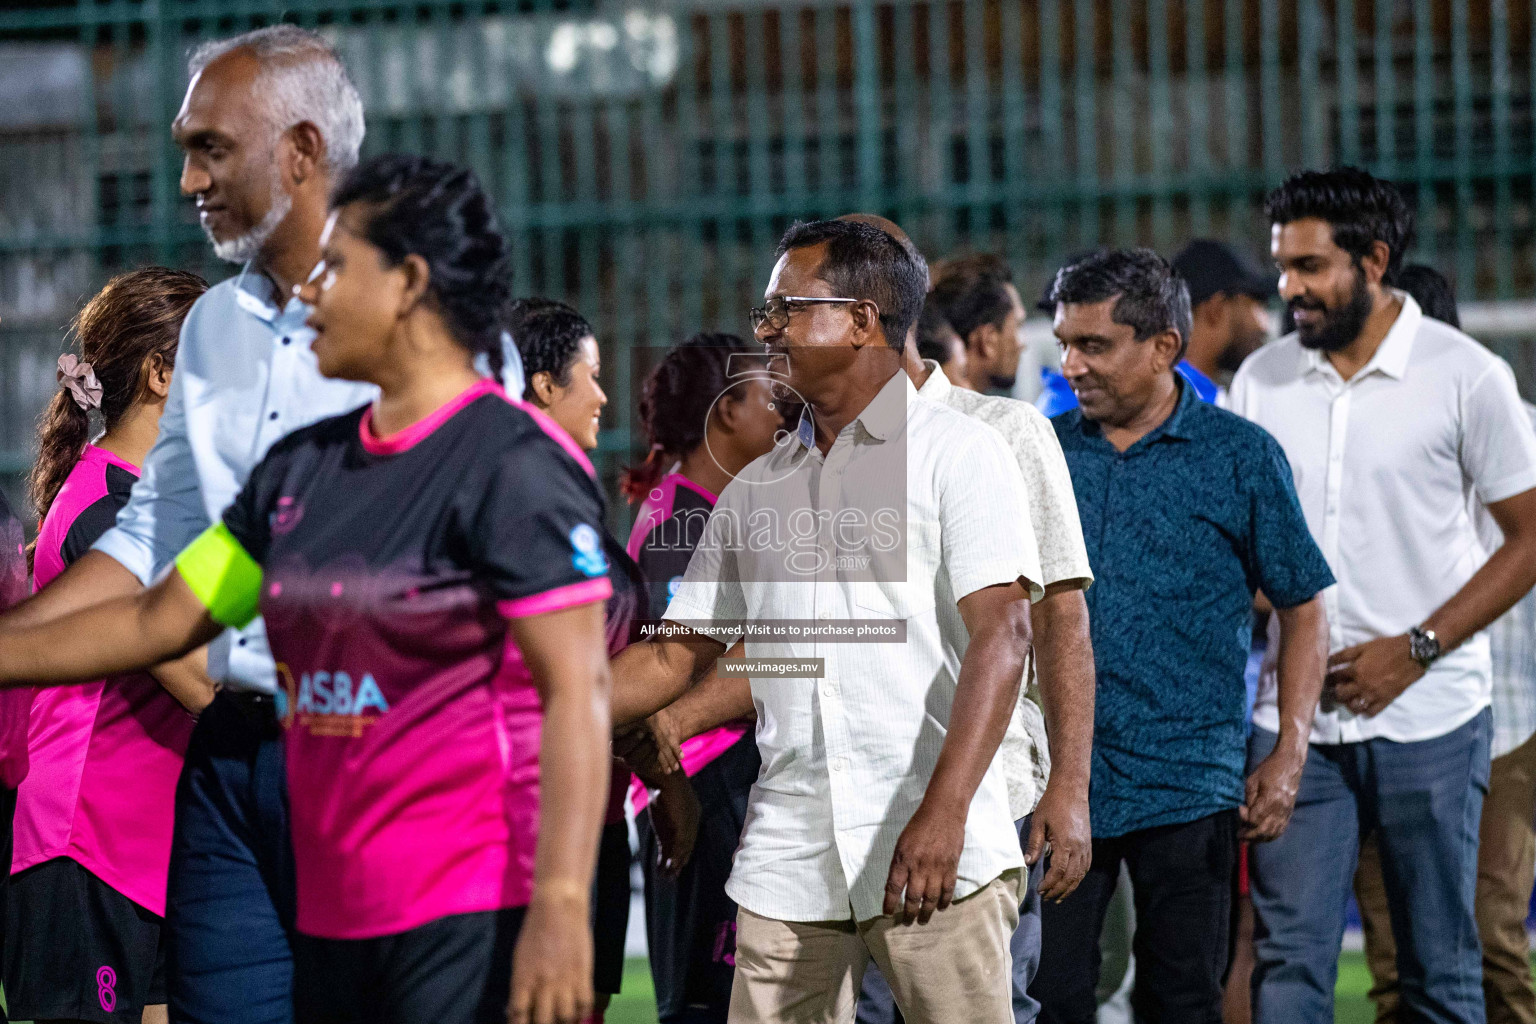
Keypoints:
(879, 826)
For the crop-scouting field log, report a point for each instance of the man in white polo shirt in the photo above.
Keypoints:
(1389, 420)
(879, 826)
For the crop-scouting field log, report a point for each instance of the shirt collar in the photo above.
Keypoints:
(1176, 426)
(1391, 356)
(937, 387)
(883, 418)
(254, 294)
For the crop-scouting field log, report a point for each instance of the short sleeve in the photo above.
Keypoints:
(986, 532)
(1498, 445)
(1283, 559)
(534, 531)
(710, 598)
(93, 521)
(1052, 503)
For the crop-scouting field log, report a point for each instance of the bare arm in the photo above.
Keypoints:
(1507, 576)
(90, 579)
(1371, 675)
(1303, 661)
(121, 634)
(928, 852)
(1064, 665)
(186, 679)
(648, 676)
(565, 653)
(656, 744)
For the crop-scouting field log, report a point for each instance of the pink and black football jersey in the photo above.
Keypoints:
(390, 569)
(16, 702)
(105, 755)
(668, 527)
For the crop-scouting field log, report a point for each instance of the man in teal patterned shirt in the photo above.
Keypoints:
(1187, 511)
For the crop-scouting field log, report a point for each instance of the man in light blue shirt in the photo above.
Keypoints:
(270, 121)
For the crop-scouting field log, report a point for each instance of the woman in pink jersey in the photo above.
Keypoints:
(15, 705)
(561, 364)
(708, 409)
(93, 816)
(431, 574)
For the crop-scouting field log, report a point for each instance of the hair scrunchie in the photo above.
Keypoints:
(80, 380)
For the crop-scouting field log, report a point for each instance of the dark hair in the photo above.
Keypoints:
(136, 317)
(675, 401)
(1360, 208)
(547, 334)
(972, 291)
(439, 212)
(932, 330)
(1431, 291)
(863, 262)
(1152, 298)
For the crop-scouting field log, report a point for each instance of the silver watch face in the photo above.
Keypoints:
(1423, 646)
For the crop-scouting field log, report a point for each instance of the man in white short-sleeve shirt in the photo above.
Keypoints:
(1390, 421)
(880, 798)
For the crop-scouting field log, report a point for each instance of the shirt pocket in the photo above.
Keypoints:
(902, 582)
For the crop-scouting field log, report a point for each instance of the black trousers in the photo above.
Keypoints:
(1181, 881)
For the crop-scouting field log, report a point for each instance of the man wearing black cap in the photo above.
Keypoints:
(1229, 294)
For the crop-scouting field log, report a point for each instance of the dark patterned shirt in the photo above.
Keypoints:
(1181, 529)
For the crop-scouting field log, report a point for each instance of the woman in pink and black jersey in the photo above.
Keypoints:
(431, 572)
(708, 410)
(93, 815)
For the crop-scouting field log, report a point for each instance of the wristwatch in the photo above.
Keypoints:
(1423, 646)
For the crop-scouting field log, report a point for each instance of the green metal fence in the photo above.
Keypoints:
(646, 156)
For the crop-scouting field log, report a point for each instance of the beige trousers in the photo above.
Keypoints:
(1506, 863)
(954, 968)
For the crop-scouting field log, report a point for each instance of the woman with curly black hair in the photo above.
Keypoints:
(432, 578)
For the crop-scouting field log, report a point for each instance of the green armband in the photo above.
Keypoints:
(222, 575)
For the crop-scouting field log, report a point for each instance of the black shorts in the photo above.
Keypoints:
(455, 970)
(610, 909)
(690, 922)
(77, 949)
(7, 817)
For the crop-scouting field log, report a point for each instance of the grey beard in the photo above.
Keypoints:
(243, 248)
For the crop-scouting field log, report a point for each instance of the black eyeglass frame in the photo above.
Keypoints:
(759, 315)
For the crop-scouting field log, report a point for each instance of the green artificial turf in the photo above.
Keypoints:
(637, 1003)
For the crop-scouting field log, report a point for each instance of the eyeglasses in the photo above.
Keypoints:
(776, 311)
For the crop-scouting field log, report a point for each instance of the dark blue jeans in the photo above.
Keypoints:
(1424, 801)
(878, 1006)
(230, 897)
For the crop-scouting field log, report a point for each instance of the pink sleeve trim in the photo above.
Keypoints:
(585, 592)
(419, 431)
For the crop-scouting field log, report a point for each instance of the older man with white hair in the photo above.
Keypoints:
(270, 121)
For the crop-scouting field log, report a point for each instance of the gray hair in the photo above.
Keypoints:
(303, 79)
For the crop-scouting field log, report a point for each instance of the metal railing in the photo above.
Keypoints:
(646, 156)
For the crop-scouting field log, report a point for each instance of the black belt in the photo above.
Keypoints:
(260, 709)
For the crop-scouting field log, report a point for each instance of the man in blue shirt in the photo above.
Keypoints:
(1187, 511)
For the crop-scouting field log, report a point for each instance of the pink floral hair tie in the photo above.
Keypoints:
(80, 380)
